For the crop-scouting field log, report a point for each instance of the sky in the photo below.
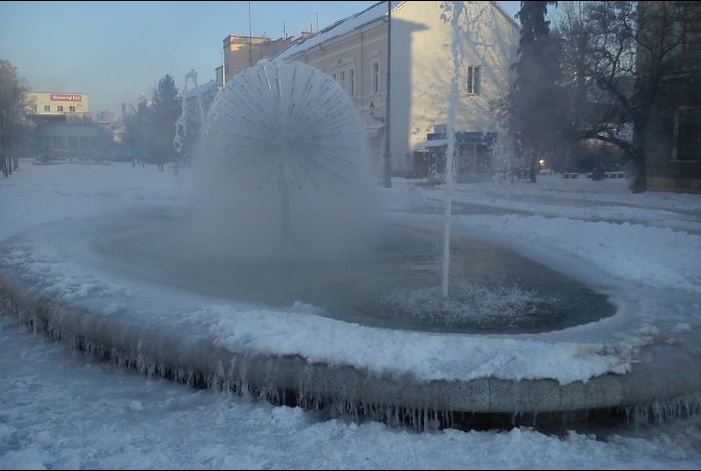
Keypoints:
(64, 410)
(116, 52)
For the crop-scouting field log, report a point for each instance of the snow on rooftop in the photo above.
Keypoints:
(338, 29)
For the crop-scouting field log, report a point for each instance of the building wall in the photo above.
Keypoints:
(423, 68)
(67, 136)
(61, 127)
(672, 150)
(420, 73)
(672, 142)
(59, 103)
(349, 60)
(241, 52)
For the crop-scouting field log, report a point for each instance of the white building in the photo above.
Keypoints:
(355, 52)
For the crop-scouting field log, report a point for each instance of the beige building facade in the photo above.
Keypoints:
(60, 126)
(69, 105)
(420, 60)
(241, 52)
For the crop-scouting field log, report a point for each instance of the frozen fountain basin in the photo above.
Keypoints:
(117, 294)
(392, 282)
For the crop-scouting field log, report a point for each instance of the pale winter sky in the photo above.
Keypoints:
(117, 51)
(60, 409)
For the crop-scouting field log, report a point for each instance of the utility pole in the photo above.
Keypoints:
(387, 167)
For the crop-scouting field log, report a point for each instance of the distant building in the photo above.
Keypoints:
(672, 142)
(61, 126)
(355, 52)
(241, 52)
(59, 107)
(106, 117)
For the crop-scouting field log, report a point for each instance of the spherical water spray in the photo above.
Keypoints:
(285, 156)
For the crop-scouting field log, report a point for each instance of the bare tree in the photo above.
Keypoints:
(616, 54)
(12, 109)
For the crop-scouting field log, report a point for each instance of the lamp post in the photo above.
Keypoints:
(387, 168)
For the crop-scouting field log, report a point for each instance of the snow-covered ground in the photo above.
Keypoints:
(61, 409)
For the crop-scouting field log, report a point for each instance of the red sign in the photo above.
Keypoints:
(66, 97)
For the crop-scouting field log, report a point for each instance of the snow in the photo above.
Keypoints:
(62, 409)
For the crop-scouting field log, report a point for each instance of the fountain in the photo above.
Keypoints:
(187, 127)
(450, 151)
(287, 211)
(284, 160)
(284, 236)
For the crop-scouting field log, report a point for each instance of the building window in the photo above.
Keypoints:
(351, 82)
(59, 108)
(375, 77)
(71, 109)
(692, 30)
(47, 108)
(342, 79)
(689, 134)
(334, 76)
(473, 80)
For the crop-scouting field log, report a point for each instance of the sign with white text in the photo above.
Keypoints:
(66, 97)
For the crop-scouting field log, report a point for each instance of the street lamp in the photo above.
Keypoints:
(387, 169)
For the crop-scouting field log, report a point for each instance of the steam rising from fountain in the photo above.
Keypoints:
(285, 165)
(287, 212)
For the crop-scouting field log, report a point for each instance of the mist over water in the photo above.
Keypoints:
(284, 168)
(286, 209)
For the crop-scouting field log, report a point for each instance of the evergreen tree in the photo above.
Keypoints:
(536, 110)
(162, 119)
(12, 108)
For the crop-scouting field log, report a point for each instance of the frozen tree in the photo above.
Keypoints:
(12, 109)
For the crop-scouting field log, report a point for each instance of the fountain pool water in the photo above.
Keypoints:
(286, 216)
(392, 283)
(288, 212)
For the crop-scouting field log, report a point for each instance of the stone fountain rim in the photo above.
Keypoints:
(219, 366)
